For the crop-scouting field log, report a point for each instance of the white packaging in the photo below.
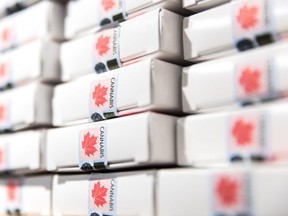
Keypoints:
(219, 138)
(37, 60)
(99, 12)
(26, 196)
(196, 5)
(236, 191)
(156, 33)
(42, 20)
(22, 152)
(238, 25)
(135, 140)
(26, 106)
(133, 195)
(146, 85)
(259, 74)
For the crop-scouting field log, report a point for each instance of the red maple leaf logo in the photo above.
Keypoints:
(99, 94)
(102, 45)
(3, 70)
(250, 80)
(88, 144)
(242, 132)
(108, 4)
(11, 191)
(247, 17)
(5, 35)
(227, 191)
(98, 194)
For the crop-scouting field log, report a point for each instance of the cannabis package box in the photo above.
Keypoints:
(256, 75)
(196, 6)
(156, 34)
(100, 13)
(235, 191)
(37, 60)
(253, 134)
(143, 86)
(236, 26)
(111, 194)
(26, 107)
(26, 196)
(135, 140)
(42, 20)
(21, 152)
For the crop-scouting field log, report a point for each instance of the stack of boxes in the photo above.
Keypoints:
(102, 114)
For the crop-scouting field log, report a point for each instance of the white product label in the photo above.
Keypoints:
(5, 74)
(4, 115)
(92, 148)
(3, 156)
(106, 50)
(102, 197)
(247, 136)
(111, 11)
(7, 37)
(254, 80)
(252, 23)
(103, 97)
(13, 196)
(231, 193)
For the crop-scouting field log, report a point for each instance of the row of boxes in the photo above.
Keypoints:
(245, 191)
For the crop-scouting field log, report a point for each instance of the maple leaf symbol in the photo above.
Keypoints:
(250, 80)
(227, 190)
(11, 192)
(247, 16)
(102, 45)
(98, 194)
(3, 70)
(5, 35)
(88, 144)
(242, 132)
(108, 4)
(99, 94)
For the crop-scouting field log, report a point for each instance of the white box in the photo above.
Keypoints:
(230, 30)
(37, 60)
(251, 133)
(156, 33)
(200, 5)
(255, 75)
(222, 191)
(135, 194)
(30, 195)
(146, 85)
(26, 107)
(22, 152)
(42, 20)
(7, 7)
(96, 13)
(136, 140)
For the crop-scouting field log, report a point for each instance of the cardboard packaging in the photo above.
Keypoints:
(123, 194)
(257, 134)
(156, 34)
(136, 140)
(22, 152)
(256, 75)
(37, 60)
(42, 20)
(232, 28)
(26, 107)
(26, 196)
(147, 85)
(260, 191)
(99, 13)
(197, 6)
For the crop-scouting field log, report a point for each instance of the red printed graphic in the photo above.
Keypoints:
(243, 132)
(1, 157)
(102, 45)
(108, 4)
(99, 193)
(88, 144)
(11, 191)
(3, 70)
(248, 16)
(250, 80)
(99, 95)
(227, 191)
(5, 35)
(2, 113)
